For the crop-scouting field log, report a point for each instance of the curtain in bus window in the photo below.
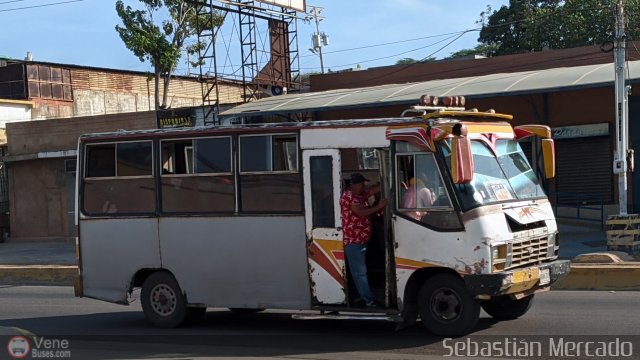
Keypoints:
(285, 153)
(177, 157)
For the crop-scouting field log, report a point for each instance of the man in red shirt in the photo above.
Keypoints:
(356, 232)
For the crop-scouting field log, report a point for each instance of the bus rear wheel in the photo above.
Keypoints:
(446, 307)
(163, 303)
(506, 308)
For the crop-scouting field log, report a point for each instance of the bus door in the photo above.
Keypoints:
(386, 181)
(325, 251)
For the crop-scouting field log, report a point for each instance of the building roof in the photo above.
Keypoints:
(112, 70)
(503, 84)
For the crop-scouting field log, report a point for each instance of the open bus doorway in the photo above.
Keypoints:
(373, 165)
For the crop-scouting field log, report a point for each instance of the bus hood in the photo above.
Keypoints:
(528, 214)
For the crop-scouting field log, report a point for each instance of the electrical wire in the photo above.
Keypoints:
(394, 55)
(385, 44)
(11, 1)
(40, 5)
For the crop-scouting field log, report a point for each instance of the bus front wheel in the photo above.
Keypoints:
(505, 308)
(162, 300)
(446, 307)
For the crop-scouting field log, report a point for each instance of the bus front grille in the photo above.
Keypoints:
(529, 251)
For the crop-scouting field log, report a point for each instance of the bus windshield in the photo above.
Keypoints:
(500, 177)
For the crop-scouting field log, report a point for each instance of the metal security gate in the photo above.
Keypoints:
(584, 167)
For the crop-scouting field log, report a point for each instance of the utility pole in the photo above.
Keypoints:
(319, 39)
(620, 166)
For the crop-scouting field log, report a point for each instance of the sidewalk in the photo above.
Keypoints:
(580, 237)
(54, 263)
(38, 263)
(38, 253)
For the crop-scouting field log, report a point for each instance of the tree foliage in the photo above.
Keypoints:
(159, 33)
(408, 61)
(480, 49)
(527, 25)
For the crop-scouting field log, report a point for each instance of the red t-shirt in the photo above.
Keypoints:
(355, 229)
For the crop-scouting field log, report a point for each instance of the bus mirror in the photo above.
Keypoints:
(549, 156)
(461, 160)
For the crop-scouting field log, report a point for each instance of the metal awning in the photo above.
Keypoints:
(526, 82)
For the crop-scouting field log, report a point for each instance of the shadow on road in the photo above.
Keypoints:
(221, 333)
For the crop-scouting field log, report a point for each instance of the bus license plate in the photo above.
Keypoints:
(544, 277)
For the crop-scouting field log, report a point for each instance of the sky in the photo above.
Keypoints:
(82, 32)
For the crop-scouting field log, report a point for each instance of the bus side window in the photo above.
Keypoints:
(118, 179)
(197, 176)
(176, 157)
(421, 192)
(270, 180)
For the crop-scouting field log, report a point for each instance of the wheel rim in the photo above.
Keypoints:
(446, 305)
(163, 300)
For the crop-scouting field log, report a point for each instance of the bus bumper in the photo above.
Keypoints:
(516, 281)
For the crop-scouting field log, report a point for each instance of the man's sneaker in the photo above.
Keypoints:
(373, 305)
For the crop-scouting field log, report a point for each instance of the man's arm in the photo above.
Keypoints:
(365, 211)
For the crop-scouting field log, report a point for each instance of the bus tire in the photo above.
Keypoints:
(446, 307)
(163, 303)
(244, 311)
(505, 308)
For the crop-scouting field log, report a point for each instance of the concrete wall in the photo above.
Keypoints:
(39, 199)
(12, 111)
(41, 192)
(105, 91)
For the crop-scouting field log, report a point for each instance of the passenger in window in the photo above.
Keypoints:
(356, 227)
(417, 196)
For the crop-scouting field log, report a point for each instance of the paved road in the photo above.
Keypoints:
(100, 330)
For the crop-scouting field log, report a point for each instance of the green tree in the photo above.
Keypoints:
(161, 41)
(527, 25)
(480, 49)
(408, 61)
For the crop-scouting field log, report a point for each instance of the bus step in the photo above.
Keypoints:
(350, 316)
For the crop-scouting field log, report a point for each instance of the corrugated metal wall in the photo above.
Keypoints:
(584, 167)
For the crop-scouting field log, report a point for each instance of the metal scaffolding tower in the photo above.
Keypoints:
(251, 72)
(248, 49)
(207, 55)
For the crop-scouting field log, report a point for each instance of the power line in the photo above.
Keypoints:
(398, 54)
(12, 1)
(40, 5)
(385, 44)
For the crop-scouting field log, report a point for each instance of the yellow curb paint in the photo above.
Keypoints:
(607, 277)
(54, 274)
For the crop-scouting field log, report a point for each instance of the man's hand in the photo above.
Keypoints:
(374, 189)
(383, 203)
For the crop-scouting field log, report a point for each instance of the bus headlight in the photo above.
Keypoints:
(499, 257)
(552, 245)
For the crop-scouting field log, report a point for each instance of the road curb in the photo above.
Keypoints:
(37, 274)
(623, 276)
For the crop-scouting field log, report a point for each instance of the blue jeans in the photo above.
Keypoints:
(356, 260)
